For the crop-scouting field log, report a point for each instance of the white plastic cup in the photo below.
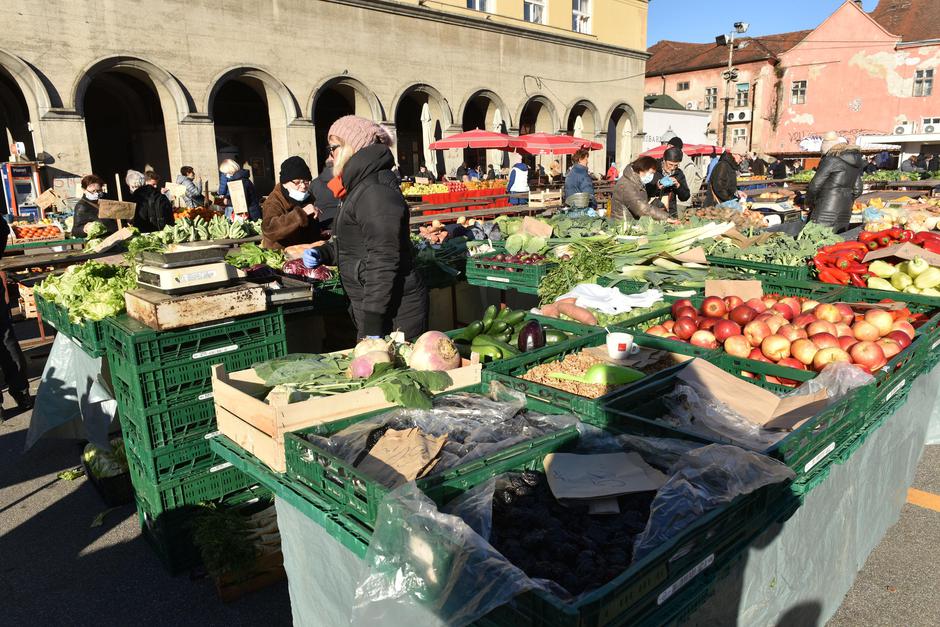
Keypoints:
(621, 346)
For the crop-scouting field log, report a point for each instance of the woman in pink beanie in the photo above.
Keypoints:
(371, 242)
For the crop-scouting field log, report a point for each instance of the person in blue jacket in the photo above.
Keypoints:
(578, 179)
(231, 171)
(518, 181)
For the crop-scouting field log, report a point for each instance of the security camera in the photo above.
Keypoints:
(741, 27)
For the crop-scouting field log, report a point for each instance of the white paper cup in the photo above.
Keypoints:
(621, 346)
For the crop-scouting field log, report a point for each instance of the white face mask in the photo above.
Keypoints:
(298, 196)
(647, 178)
(92, 195)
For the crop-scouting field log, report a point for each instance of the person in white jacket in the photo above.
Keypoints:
(518, 181)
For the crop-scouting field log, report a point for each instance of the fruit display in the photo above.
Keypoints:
(504, 333)
(28, 231)
(791, 331)
(192, 212)
(423, 190)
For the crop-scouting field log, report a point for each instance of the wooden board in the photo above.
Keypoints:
(162, 312)
(259, 427)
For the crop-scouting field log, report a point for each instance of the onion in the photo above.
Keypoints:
(362, 367)
(434, 351)
(371, 345)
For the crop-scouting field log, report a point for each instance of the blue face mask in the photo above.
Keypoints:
(298, 196)
(647, 178)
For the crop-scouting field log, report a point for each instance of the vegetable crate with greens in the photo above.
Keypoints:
(108, 472)
(577, 376)
(504, 333)
(331, 459)
(645, 410)
(522, 273)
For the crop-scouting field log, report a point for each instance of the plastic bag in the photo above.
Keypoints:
(700, 481)
(475, 426)
(838, 379)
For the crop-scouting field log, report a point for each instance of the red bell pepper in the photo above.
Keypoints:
(834, 275)
(866, 236)
(906, 235)
(834, 248)
(932, 246)
(857, 279)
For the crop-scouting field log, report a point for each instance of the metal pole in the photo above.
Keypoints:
(724, 133)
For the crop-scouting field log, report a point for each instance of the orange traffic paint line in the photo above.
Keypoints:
(923, 499)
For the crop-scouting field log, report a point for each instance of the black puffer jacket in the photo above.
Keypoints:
(153, 211)
(677, 192)
(86, 212)
(724, 181)
(323, 198)
(372, 248)
(835, 186)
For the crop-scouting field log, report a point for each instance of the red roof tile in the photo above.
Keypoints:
(912, 20)
(671, 57)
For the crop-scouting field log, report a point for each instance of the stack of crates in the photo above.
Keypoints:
(163, 387)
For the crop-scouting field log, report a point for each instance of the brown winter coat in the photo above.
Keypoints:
(284, 223)
(630, 199)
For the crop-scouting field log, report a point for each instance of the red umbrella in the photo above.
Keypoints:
(546, 143)
(473, 139)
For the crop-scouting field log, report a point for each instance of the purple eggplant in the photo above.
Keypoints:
(531, 337)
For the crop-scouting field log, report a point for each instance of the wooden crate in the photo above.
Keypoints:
(27, 301)
(259, 427)
(162, 312)
(544, 199)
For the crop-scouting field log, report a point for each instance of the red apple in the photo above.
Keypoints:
(775, 322)
(725, 329)
(883, 320)
(828, 312)
(794, 304)
(804, 351)
(687, 312)
(868, 355)
(808, 305)
(669, 324)
(843, 329)
(829, 355)
(889, 346)
(737, 346)
(905, 326)
(848, 316)
(755, 331)
(757, 355)
(865, 331)
(673, 336)
(748, 375)
(733, 301)
(707, 324)
(824, 340)
(803, 320)
(846, 342)
(742, 314)
(790, 362)
(714, 307)
(685, 327)
(679, 304)
(902, 338)
(757, 305)
(775, 347)
(769, 301)
(704, 339)
(658, 330)
(821, 326)
(784, 310)
(792, 333)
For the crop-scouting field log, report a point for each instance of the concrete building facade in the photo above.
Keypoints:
(106, 85)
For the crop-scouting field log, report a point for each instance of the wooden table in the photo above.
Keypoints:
(25, 245)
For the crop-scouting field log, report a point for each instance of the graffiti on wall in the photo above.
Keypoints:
(811, 141)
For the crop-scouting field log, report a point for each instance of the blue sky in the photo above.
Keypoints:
(701, 21)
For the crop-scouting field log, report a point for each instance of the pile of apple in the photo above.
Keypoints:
(790, 331)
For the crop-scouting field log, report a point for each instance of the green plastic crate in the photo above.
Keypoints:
(762, 269)
(522, 278)
(359, 496)
(171, 462)
(154, 431)
(164, 389)
(509, 372)
(145, 349)
(807, 450)
(88, 334)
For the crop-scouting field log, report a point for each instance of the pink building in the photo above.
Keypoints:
(865, 76)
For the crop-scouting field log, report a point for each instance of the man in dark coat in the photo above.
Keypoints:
(153, 209)
(323, 198)
(371, 242)
(835, 186)
(723, 183)
(758, 166)
(777, 169)
(933, 164)
(670, 181)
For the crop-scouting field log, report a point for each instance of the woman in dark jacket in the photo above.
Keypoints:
(669, 181)
(289, 216)
(153, 209)
(835, 186)
(629, 198)
(371, 243)
(86, 209)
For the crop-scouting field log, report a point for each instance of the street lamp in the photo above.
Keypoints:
(731, 74)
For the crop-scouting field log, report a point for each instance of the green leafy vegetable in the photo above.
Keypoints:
(95, 230)
(104, 463)
(252, 255)
(89, 291)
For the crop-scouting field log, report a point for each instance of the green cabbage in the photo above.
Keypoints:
(104, 463)
(89, 291)
(95, 230)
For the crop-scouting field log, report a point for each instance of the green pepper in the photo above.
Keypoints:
(469, 332)
(554, 336)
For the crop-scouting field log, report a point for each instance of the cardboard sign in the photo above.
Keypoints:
(116, 209)
(49, 199)
(754, 404)
(401, 456)
(693, 255)
(578, 477)
(905, 251)
(745, 289)
(236, 191)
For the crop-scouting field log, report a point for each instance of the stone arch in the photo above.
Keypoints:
(447, 116)
(363, 93)
(37, 97)
(493, 97)
(278, 88)
(551, 111)
(485, 109)
(169, 89)
(581, 107)
(421, 114)
(622, 133)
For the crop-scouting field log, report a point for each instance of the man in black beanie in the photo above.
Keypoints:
(669, 182)
(289, 217)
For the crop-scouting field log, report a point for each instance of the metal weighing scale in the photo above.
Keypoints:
(185, 269)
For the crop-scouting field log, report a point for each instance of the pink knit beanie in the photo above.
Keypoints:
(359, 132)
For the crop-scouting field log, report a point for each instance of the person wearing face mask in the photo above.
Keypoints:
(86, 209)
(289, 217)
(670, 181)
(630, 199)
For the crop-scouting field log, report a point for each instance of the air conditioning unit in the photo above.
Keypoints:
(691, 105)
(738, 116)
(904, 128)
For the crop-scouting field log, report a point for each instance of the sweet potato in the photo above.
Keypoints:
(578, 314)
(550, 310)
